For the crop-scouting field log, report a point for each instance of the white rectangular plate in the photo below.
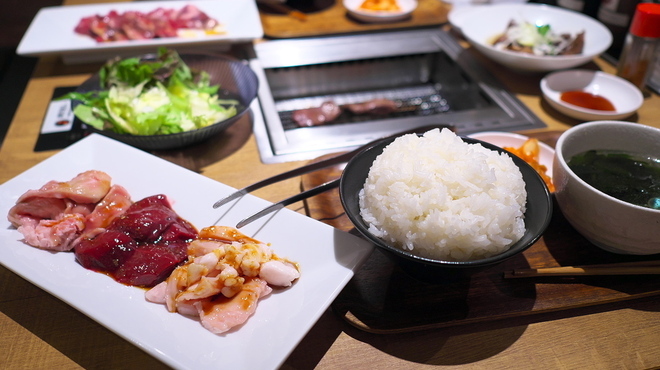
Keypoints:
(52, 29)
(328, 258)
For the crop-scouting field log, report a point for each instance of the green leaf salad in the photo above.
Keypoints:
(152, 97)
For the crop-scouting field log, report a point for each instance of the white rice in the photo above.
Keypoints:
(439, 197)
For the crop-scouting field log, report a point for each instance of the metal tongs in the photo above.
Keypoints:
(340, 158)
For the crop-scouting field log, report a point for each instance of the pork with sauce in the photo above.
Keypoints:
(56, 215)
(137, 243)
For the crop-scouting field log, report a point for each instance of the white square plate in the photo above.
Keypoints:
(328, 258)
(52, 29)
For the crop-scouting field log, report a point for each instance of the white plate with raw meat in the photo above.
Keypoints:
(53, 29)
(327, 258)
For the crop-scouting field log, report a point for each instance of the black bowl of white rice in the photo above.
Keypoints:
(444, 206)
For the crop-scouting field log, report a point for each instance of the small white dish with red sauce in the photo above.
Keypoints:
(585, 94)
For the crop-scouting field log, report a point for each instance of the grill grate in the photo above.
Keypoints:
(415, 101)
(432, 78)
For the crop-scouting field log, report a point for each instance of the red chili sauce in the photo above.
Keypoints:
(587, 100)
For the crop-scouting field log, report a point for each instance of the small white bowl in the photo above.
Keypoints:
(353, 8)
(609, 223)
(625, 97)
(481, 24)
(508, 139)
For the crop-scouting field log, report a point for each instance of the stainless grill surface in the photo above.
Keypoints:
(432, 79)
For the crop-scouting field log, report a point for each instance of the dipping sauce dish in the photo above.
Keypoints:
(590, 89)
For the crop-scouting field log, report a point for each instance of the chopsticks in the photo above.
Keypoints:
(283, 203)
(341, 158)
(624, 268)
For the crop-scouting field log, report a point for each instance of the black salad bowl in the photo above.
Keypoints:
(236, 80)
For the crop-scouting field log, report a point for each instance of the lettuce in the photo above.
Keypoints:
(154, 97)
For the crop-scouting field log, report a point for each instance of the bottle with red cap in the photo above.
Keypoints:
(640, 46)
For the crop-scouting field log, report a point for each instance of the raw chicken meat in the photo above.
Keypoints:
(221, 315)
(226, 274)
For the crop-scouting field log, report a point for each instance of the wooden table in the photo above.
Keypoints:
(39, 331)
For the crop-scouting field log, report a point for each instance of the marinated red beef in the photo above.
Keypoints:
(151, 263)
(106, 252)
(142, 246)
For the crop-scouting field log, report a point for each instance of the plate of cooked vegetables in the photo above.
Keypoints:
(533, 37)
(164, 100)
(377, 11)
(536, 153)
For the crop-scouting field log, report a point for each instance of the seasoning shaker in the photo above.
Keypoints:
(640, 45)
(616, 15)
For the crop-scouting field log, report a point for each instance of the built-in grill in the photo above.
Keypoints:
(426, 73)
